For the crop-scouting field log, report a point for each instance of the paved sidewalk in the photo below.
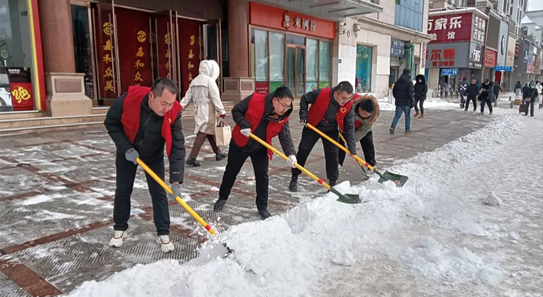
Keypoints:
(57, 188)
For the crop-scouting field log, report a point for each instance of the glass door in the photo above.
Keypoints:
(295, 69)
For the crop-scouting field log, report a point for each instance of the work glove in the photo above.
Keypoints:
(131, 155)
(223, 115)
(176, 189)
(292, 161)
(246, 132)
(303, 121)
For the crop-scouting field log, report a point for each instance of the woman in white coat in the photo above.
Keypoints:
(204, 94)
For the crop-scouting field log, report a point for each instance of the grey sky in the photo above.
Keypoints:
(535, 5)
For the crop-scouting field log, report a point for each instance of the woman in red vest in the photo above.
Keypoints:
(330, 109)
(266, 116)
(141, 122)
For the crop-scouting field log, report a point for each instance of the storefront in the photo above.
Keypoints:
(21, 67)
(118, 46)
(363, 68)
(397, 59)
(458, 43)
(288, 48)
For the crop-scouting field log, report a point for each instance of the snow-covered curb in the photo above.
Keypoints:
(288, 254)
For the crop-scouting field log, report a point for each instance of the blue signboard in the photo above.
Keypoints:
(450, 72)
(397, 48)
(503, 68)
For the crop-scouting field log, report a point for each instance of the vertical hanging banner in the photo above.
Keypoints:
(104, 51)
(189, 49)
(164, 45)
(134, 48)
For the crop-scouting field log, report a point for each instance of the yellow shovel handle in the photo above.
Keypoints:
(320, 181)
(345, 141)
(178, 199)
(358, 159)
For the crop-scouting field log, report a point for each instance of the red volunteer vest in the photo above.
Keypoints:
(254, 114)
(131, 115)
(318, 109)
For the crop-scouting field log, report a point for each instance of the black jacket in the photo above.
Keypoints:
(329, 121)
(238, 113)
(487, 91)
(463, 87)
(421, 88)
(497, 89)
(530, 93)
(148, 142)
(472, 91)
(403, 91)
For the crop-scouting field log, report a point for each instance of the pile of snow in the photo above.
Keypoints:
(434, 103)
(291, 254)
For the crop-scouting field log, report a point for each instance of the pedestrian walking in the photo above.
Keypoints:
(403, 95)
(487, 95)
(141, 122)
(204, 94)
(529, 96)
(471, 94)
(420, 89)
(497, 89)
(518, 89)
(463, 89)
(266, 116)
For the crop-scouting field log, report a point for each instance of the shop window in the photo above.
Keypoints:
(277, 60)
(80, 21)
(363, 68)
(259, 46)
(295, 39)
(311, 64)
(16, 55)
(324, 64)
(409, 14)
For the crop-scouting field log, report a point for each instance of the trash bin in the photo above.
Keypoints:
(20, 80)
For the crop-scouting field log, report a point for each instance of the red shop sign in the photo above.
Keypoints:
(277, 18)
(441, 57)
(22, 97)
(490, 58)
(450, 28)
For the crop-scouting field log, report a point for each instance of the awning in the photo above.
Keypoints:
(332, 10)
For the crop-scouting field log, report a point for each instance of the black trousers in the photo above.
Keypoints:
(126, 174)
(367, 148)
(309, 138)
(474, 103)
(488, 102)
(530, 105)
(236, 159)
(421, 103)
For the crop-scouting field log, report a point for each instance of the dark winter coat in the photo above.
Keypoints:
(403, 91)
(487, 92)
(472, 91)
(530, 93)
(497, 89)
(420, 88)
(238, 114)
(329, 122)
(463, 87)
(149, 141)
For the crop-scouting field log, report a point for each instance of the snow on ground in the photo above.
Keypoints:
(434, 103)
(432, 237)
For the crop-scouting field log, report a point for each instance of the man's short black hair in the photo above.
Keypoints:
(345, 86)
(406, 71)
(283, 92)
(164, 83)
(366, 105)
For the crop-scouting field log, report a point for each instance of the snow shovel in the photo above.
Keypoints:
(398, 179)
(178, 199)
(345, 198)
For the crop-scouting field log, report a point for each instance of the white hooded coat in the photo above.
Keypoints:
(202, 91)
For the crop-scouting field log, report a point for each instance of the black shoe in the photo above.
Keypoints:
(332, 183)
(220, 156)
(192, 162)
(219, 205)
(293, 186)
(264, 214)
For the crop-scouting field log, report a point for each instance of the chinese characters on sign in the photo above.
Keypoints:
(479, 29)
(490, 58)
(475, 57)
(397, 48)
(450, 28)
(107, 58)
(141, 37)
(167, 55)
(441, 57)
(298, 22)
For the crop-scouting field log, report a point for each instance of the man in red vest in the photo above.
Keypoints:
(266, 116)
(141, 122)
(330, 109)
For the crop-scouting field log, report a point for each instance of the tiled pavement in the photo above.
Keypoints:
(57, 188)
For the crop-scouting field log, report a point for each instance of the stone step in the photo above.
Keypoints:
(39, 122)
(21, 114)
